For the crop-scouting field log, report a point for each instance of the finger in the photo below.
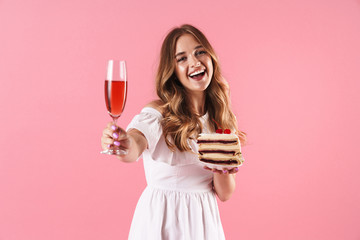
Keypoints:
(214, 170)
(105, 146)
(120, 134)
(107, 132)
(106, 140)
(110, 128)
(115, 135)
(125, 143)
(222, 171)
(234, 170)
(207, 168)
(211, 169)
(111, 125)
(116, 143)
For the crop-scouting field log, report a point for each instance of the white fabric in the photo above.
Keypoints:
(178, 203)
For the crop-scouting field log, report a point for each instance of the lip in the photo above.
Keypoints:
(198, 80)
(196, 70)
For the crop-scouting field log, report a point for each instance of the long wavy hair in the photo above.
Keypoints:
(180, 122)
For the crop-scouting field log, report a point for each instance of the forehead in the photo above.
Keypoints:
(186, 43)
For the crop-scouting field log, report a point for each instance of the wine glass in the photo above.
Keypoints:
(115, 96)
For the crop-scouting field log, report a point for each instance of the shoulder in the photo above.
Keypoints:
(156, 104)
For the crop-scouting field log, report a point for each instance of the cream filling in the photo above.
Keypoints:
(216, 146)
(220, 156)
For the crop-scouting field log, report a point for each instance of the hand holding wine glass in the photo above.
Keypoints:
(115, 99)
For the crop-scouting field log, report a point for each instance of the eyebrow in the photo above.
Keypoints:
(181, 53)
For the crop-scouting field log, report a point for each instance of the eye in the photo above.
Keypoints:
(181, 59)
(201, 52)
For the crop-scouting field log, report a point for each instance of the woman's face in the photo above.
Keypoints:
(194, 67)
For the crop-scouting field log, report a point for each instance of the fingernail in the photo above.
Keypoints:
(113, 127)
(117, 143)
(115, 135)
(236, 169)
(109, 146)
(225, 171)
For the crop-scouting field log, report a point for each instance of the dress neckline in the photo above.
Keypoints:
(154, 110)
(205, 116)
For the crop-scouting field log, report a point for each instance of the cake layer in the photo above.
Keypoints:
(232, 147)
(222, 149)
(217, 136)
(237, 159)
(231, 162)
(217, 141)
(228, 152)
(220, 156)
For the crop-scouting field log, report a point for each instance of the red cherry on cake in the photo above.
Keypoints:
(227, 131)
(219, 131)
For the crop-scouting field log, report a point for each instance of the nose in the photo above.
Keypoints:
(194, 62)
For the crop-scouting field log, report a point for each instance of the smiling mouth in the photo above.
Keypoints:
(197, 75)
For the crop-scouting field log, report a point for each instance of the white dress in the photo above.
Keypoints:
(178, 202)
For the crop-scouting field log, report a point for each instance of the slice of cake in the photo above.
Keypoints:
(220, 149)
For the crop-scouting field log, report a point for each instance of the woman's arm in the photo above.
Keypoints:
(224, 185)
(133, 141)
(224, 182)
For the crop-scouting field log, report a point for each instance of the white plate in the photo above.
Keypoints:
(220, 167)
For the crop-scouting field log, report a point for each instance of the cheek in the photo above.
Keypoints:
(180, 71)
(210, 67)
(208, 62)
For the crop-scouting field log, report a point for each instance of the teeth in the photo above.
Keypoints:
(197, 72)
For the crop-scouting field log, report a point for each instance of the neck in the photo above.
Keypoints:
(197, 102)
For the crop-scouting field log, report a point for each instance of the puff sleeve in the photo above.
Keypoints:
(148, 123)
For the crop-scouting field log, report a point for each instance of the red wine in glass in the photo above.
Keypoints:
(115, 96)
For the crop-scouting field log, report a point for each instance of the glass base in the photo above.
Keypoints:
(118, 152)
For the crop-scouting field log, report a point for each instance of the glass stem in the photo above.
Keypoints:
(115, 119)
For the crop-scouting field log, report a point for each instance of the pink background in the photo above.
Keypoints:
(293, 67)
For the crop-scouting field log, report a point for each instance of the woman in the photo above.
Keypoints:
(179, 201)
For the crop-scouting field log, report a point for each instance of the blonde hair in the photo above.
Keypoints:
(180, 122)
